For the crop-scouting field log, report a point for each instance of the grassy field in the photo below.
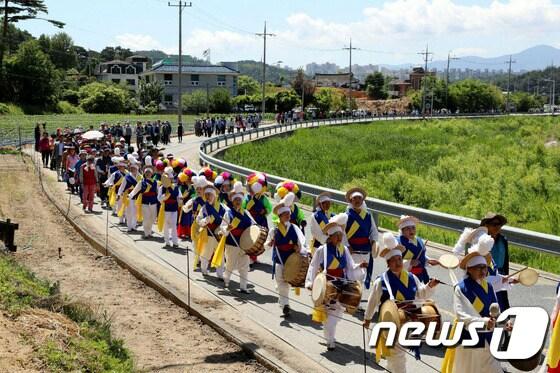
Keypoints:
(9, 123)
(464, 167)
(91, 348)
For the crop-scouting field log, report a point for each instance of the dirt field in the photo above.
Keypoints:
(161, 336)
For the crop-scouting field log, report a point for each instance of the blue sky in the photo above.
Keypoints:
(388, 32)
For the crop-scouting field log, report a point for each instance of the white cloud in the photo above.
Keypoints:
(222, 44)
(137, 41)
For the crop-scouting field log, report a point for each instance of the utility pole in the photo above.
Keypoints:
(449, 58)
(426, 55)
(207, 99)
(350, 49)
(181, 5)
(264, 35)
(509, 81)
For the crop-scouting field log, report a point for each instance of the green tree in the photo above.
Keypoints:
(103, 98)
(220, 101)
(15, 37)
(375, 86)
(247, 85)
(62, 52)
(148, 92)
(474, 96)
(14, 11)
(33, 78)
(301, 83)
(195, 102)
(328, 99)
(115, 53)
(287, 100)
(523, 102)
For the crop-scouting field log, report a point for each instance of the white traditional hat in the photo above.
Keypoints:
(285, 204)
(391, 246)
(236, 191)
(478, 253)
(336, 224)
(407, 221)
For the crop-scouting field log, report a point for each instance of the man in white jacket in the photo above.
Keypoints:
(335, 261)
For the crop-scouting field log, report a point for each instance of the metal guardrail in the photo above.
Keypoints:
(529, 239)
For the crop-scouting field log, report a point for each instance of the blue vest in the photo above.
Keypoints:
(216, 214)
(481, 299)
(284, 242)
(417, 252)
(171, 204)
(357, 231)
(336, 261)
(130, 182)
(113, 169)
(240, 222)
(149, 197)
(322, 219)
(256, 207)
(404, 289)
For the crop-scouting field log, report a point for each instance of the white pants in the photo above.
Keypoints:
(358, 258)
(116, 209)
(282, 286)
(149, 215)
(474, 360)
(396, 363)
(130, 215)
(204, 261)
(236, 259)
(170, 227)
(334, 314)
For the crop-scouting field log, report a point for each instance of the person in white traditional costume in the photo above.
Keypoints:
(238, 220)
(398, 285)
(339, 270)
(211, 219)
(361, 232)
(473, 298)
(319, 220)
(285, 240)
(128, 207)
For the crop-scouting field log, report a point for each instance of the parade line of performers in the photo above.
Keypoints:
(227, 223)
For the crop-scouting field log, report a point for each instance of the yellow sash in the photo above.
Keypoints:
(113, 192)
(161, 213)
(124, 205)
(449, 358)
(219, 253)
(554, 349)
(319, 314)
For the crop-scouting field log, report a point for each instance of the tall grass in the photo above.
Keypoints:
(459, 166)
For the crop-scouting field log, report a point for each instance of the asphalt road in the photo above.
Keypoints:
(299, 331)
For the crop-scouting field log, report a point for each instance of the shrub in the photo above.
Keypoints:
(65, 107)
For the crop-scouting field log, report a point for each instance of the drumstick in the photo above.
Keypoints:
(441, 282)
(521, 270)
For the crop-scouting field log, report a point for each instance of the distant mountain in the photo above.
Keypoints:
(534, 58)
(157, 55)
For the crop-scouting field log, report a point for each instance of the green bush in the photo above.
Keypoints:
(220, 101)
(103, 98)
(65, 107)
(10, 109)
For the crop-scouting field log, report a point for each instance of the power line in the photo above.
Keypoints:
(508, 82)
(426, 55)
(264, 34)
(350, 49)
(180, 6)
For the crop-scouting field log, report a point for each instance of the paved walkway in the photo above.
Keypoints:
(260, 306)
